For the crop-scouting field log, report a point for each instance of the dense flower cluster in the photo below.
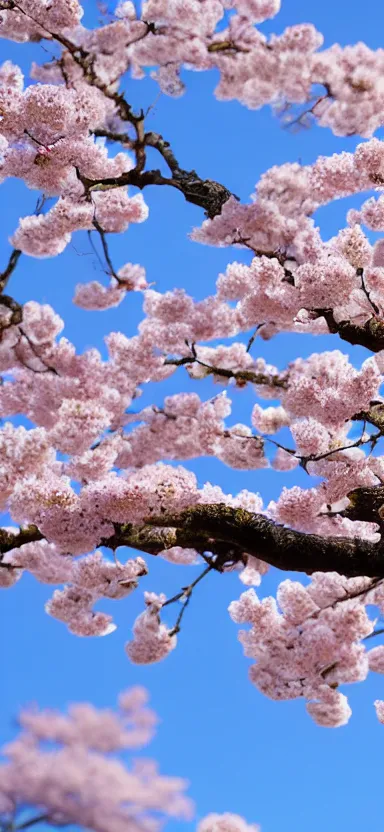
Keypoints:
(253, 69)
(67, 767)
(309, 642)
(85, 471)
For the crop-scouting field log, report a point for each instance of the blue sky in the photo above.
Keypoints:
(241, 752)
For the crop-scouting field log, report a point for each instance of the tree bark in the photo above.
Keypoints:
(228, 533)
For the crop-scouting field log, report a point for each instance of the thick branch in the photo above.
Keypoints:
(241, 377)
(10, 541)
(369, 335)
(16, 310)
(206, 193)
(9, 269)
(281, 547)
(164, 148)
(229, 532)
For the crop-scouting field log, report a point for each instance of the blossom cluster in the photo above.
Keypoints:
(309, 641)
(85, 465)
(68, 768)
(253, 69)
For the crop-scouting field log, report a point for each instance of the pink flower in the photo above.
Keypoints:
(95, 296)
(57, 759)
(152, 641)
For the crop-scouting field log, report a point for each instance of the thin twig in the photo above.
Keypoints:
(44, 818)
(375, 633)
(104, 244)
(372, 440)
(185, 597)
(240, 376)
(9, 269)
(253, 336)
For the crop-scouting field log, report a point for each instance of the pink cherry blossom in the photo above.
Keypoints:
(94, 295)
(57, 760)
(152, 641)
(226, 823)
(84, 465)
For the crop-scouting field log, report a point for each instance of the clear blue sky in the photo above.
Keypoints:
(240, 752)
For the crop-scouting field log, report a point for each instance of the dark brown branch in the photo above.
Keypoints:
(375, 415)
(229, 532)
(9, 269)
(10, 541)
(206, 193)
(15, 309)
(44, 818)
(379, 632)
(121, 138)
(240, 376)
(371, 440)
(156, 140)
(185, 596)
(226, 46)
(47, 367)
(101, 233)
(16, 253)
(369, 335)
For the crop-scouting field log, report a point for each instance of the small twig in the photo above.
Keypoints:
(121, 138)
(360, 273)
(300, 119)
(31, 822)
(9, 269)
(104, 244)
(185, 596)
(48, 367)
(16, 253)
(242, 376)
(95, 251)
(375, 633)
(372, 440)
(253, 336)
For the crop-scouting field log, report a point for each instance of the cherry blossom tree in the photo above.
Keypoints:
(92, 475)
(68, 769)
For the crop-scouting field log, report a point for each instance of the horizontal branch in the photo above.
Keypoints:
(9, 269)
(369, 335)
(242, 531)
(9, 540)
(206, 193)
(229, 532)
(241, 377)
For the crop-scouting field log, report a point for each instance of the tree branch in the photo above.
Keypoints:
(9, 269)
(101, 233)
(241, 377)
(369, 335)
(10, 541)
(15, 309)
(163, 147)
(43, 818)
(228, 532)
(206, 193)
